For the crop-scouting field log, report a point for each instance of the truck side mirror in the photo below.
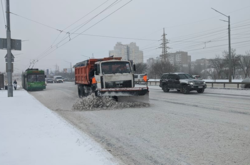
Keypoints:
(134, 67)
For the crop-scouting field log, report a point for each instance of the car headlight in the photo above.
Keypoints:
(204, 82)
(191, 83)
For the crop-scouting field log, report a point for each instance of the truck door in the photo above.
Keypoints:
(98, 76)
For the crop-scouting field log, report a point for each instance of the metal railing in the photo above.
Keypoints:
(227, 84)
(211, 84)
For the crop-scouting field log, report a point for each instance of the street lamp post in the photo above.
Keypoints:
(229, 45)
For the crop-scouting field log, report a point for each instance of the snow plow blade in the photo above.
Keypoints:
(125, 94)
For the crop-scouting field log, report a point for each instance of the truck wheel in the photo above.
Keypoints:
(200, 90)
(165, 88)
(85, 91)
(80, 91)
(185, 90)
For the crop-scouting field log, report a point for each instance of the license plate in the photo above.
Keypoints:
(200, 87)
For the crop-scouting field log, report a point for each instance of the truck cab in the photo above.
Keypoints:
(114, 74)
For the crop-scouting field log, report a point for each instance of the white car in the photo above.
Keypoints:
(58, 79)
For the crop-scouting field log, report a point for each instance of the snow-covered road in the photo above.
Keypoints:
(209, 128)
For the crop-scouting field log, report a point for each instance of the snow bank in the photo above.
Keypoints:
(95, 103)
(32, 134)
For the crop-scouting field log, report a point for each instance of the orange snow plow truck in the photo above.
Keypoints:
(110, 77)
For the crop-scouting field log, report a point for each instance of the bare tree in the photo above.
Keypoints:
(244, 63)
(160, 67)
(218, 65)
(234, 61)
(141, 68)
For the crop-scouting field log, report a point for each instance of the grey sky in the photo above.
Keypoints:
(188, 24)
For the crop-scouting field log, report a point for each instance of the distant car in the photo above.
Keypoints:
(246, 80)
(182, 82)
(58, 79)
(139, 78)
(49, 80)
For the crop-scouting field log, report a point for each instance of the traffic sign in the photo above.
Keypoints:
(15, 44)
(12, 58)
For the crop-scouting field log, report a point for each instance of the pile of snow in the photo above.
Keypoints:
(94, 103)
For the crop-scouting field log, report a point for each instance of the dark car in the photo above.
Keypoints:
(181, 82)
(163, 77)
(49, 80)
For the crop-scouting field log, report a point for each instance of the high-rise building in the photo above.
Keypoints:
(127, 52)
(179, 58)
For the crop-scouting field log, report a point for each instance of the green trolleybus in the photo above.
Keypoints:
(33, 79)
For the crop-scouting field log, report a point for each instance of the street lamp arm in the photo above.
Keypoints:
(219, 12)
(223, 20)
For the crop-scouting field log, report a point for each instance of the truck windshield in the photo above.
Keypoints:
(115, 67)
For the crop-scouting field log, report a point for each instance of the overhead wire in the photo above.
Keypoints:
(112, 5)
(80, 19)
(48, 26)
(3, 13)
(86, 15)
(91, 26)
(207, 40)
(59, 30)
(150, 44)
(87, 22)
(213, 40)
(218, 45)
(115, 37)
(53, 48)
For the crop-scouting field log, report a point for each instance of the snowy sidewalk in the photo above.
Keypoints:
(31, 134)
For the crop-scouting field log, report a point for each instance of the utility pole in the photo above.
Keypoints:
(229, 45)
(164, 46)
(229, 50)
(9, 55)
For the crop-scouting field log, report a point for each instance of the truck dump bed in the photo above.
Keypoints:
(83, 69)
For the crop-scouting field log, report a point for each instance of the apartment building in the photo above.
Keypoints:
(127, 52)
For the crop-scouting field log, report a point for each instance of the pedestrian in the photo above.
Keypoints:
(15, 84)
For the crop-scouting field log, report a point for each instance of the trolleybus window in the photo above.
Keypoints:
(31, 78)
(40, 78)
